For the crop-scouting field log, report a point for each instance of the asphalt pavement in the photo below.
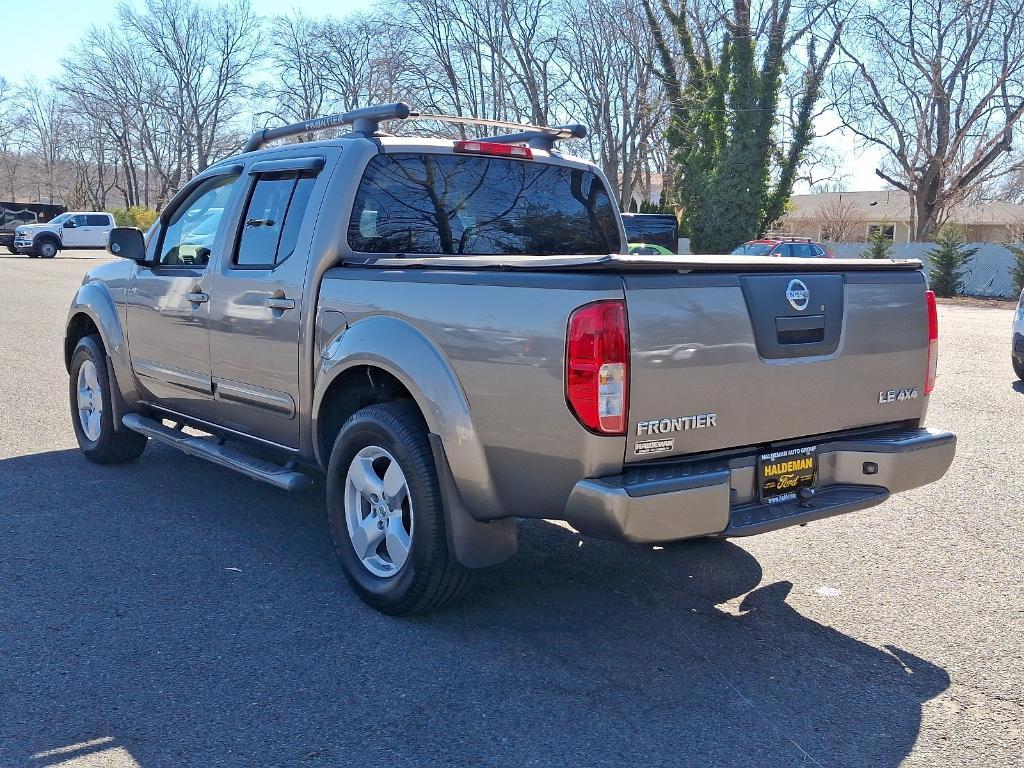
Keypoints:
(170, 613)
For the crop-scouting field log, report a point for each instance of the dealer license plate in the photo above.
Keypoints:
(781, 474)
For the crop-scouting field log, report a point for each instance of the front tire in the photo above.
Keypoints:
(385, 513)
(1018, 367)
(47, 249)
(11, 249)
(91, 411)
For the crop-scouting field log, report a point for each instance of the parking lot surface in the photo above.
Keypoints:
(172, 613)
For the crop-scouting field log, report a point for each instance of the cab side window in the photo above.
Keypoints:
(270, 228)
(189, 236)
(97, 220)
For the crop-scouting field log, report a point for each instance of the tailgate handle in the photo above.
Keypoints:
(809, 329)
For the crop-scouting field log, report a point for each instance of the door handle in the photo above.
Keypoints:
(198, 298)
(280, 303)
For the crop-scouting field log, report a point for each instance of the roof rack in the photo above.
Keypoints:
(366, 122)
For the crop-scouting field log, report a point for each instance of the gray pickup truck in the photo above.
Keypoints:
(453, 334)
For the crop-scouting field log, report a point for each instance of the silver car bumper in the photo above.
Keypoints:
(668, 502)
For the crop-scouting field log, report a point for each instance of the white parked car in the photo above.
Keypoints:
(1017, 343)
(74, 229)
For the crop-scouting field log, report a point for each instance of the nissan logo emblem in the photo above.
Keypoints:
(797, 295)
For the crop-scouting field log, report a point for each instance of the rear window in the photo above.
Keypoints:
(97, 220)
(753, 249)
(472, 205)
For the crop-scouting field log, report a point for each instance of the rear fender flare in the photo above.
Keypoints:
(404, 351)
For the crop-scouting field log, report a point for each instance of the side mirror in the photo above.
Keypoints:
(70, 224)
(128, 243)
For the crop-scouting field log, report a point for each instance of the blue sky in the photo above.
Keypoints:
(27, 55)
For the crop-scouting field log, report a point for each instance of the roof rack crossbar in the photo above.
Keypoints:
(543, 138)
(365, 121)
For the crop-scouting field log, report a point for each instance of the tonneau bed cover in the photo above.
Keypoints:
(622, 263)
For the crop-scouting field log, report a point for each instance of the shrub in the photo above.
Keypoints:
(879, 246)
(136, 216)
(1017, 267)
(947, 262)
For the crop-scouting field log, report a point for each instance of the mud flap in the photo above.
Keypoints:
(474, 544)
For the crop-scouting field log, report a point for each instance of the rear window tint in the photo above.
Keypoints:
(273, 216)
(97, 220)
(470, 205)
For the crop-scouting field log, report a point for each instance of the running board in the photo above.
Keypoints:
(225, 455)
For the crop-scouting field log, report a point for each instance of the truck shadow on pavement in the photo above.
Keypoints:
(192, 617)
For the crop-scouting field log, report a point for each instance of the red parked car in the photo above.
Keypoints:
(801, 247)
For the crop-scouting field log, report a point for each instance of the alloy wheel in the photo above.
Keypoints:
(90, 401)
(378, 511)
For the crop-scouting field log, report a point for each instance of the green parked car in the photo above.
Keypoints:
(648, 249)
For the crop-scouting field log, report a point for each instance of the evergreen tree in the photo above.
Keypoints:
(879, 246)
(947, 262)
(724, 98)
(1017, 268)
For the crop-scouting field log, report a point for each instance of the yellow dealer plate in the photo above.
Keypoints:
(781, 474)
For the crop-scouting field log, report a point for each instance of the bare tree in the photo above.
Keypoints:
(208, 53)
(45, 121)
(10, 138)
(367, 59)
(607, 50)
(298, 89)
(495, 59)
(939, 86)
(838, 220)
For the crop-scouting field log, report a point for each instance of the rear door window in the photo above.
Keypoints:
(97, 220)
(270, 229)
(473, 205)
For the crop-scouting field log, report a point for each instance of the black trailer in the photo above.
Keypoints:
(658, 228)
(16, 214)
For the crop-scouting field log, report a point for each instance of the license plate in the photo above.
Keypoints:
(781, 474)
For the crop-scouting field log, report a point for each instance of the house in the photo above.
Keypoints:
(852, 216)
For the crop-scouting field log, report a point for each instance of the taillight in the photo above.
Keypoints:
(493, 148)
(597, 366)
(933, 342)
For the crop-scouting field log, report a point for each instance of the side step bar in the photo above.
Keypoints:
(220, 453)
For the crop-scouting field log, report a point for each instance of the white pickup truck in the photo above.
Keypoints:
(75, 229)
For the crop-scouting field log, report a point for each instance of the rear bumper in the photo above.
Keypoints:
(668, 502)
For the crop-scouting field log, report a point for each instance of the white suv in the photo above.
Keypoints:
(75, 229)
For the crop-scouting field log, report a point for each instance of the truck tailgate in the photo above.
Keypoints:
(726, 360)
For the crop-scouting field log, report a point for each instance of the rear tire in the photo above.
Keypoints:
(403, 565)
(92, 413)
(1018, 367)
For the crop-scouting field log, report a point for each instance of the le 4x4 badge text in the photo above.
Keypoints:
(897, 395)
